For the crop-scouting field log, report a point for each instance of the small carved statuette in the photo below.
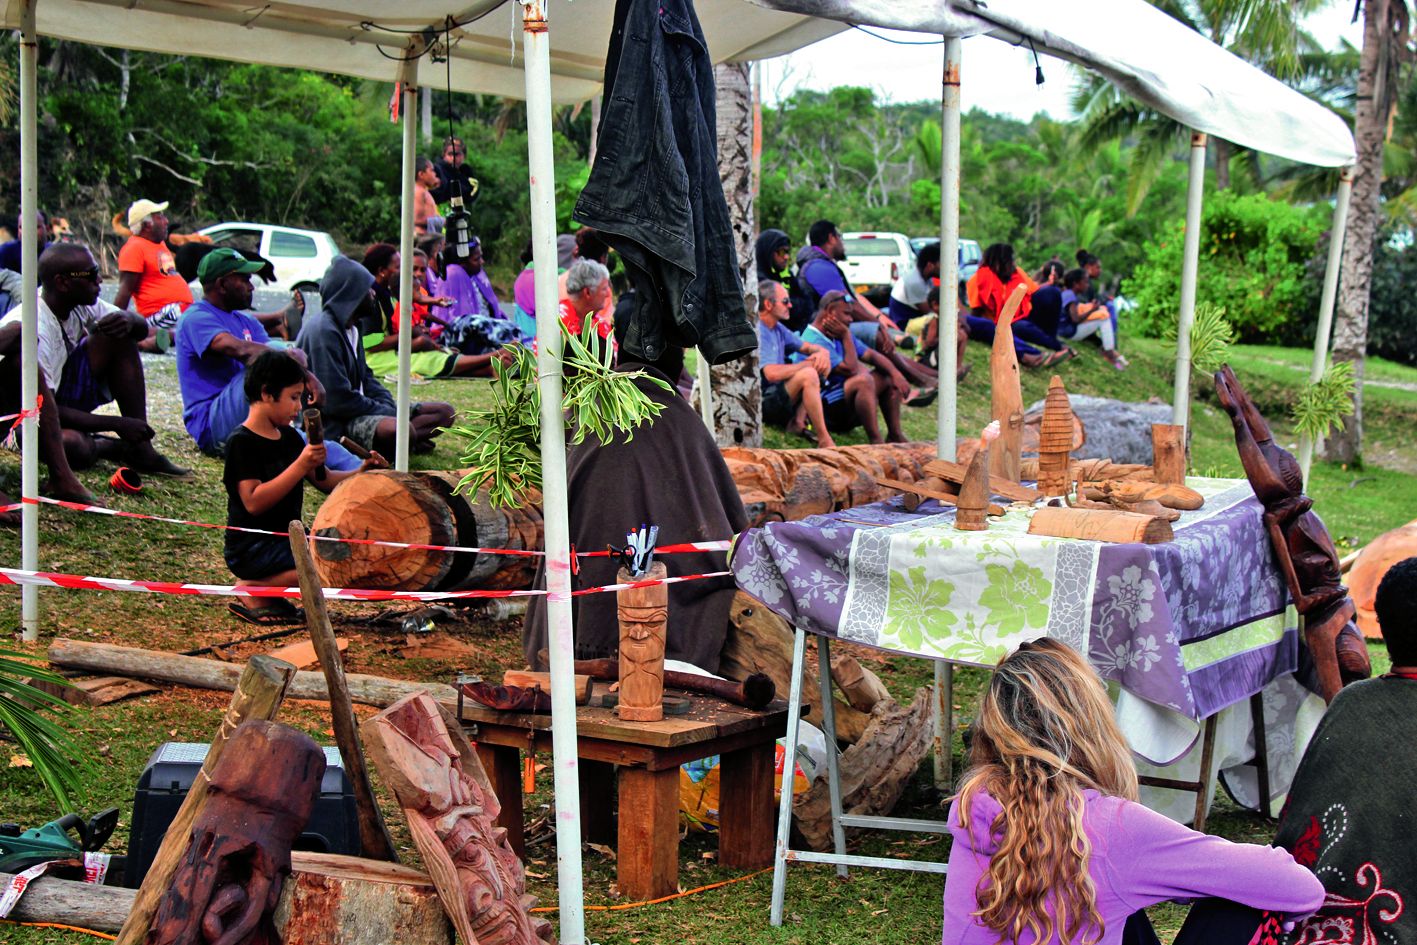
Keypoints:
(1055, 439)
(644, 621)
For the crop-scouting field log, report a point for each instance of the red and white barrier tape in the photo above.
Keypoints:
(12, 507)
(95, 871)
(723, 545)
(77, 582)
(38, 403)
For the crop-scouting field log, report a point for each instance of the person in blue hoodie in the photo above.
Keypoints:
(356, 404)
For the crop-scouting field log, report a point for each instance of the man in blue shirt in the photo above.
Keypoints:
(792, 392)
(216, 340)
(853, 391)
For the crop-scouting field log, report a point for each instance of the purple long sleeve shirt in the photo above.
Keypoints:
(1139, 858)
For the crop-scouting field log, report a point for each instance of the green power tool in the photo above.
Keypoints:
(19, 850)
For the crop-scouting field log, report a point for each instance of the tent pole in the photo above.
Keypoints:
(1326, 302)
(560, 634)
(408, 112)
(1190, 262)
(946, 417)
(29, 315)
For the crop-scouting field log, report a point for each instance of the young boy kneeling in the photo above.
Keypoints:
(267, 464)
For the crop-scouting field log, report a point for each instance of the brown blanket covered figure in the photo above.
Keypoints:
(670, 474)
(1302, 545)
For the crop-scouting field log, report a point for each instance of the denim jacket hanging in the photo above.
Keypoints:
(654, 191)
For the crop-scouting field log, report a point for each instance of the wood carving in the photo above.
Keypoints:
(644, 621)
(1302, 546)
(262, 792)
(1168, 452)
(1055, 439)
(754, 691)
(917, 492)
(526, 679)
(439, 782)
(954, 472)
(507, 698)
(1099, 525)
(974, 491)
(1171, 495)
(1005, 393)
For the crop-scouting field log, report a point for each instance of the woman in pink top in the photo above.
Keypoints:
(1050, 844)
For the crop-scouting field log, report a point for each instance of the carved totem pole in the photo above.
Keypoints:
(644, 623)
(1055, 440)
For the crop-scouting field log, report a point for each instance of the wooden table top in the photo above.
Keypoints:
(707, 719)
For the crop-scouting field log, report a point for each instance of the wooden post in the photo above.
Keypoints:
(644, 618)
(1168, 452)
(647, 856)
(1006, 394)
(258, 696)
(374, 837)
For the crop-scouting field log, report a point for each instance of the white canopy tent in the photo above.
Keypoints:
(1164, 65)
(563, 60)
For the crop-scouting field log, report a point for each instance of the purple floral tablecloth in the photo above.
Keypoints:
(1191, 625)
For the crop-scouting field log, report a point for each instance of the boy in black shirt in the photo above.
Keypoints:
(267, 464)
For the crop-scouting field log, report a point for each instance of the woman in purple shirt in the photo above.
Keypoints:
(1050, 844)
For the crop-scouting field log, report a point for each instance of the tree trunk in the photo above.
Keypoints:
(1223, 152)
(737, 392)
(1350, 326)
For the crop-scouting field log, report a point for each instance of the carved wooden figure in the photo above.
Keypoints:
(451, 807)
(973, 501)
(1168, 452)
(1302, 545)
(225, 890)
(1055, 439)
(644, 619)
(1005, 393)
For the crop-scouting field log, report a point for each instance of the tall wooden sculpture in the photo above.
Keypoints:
(1302, 545)
(644, 620)
(1055, 440)
(225, 890)
(1006, 394)
(422, 754)
(974, 491)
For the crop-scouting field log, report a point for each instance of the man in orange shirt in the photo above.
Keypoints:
(147, 273)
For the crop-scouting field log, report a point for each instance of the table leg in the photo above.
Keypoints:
(647, 860)
(503, 767)
(1203, 779)
(597, 801)
(745, 832)
(1261, 753)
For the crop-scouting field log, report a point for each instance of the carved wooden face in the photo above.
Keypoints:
(643, 623)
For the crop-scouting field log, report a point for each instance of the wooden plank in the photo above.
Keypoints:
(954, 472)
(673, 731)
(647, 857)
(745, 808)
(302, 655)
(94, 691)
(944, 498)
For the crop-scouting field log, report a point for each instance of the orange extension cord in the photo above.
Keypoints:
(56, 925)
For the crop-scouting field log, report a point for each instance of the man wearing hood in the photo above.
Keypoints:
(356, 404)
(774, 254)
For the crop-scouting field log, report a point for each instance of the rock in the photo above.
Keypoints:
(1115, 429)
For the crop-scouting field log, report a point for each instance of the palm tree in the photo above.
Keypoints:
(1264, 32)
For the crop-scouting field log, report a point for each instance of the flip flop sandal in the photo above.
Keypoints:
(282, 615)
(922, 398)
(1054, 358)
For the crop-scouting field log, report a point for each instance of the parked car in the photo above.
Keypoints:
(969, 254)
(874, 261)
(300, 257)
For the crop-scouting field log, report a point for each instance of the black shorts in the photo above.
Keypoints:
(255, 557)
(841, 415)
(777, 404)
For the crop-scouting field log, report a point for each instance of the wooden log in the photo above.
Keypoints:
(1172, 495)
(259, 689)
(526, 680)
(644, 621)
(1168, 452)
(384, 505)
(920, 489)
(328, 900)
(1098, 525)
(213, 674)
(862, 688)
(1006, 396)
(374, 839)
(1009, 489)
(94, 691)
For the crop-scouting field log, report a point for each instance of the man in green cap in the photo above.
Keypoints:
(216, 340)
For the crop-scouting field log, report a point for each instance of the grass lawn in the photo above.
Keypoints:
(873, 906)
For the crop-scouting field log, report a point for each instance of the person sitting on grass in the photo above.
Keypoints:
(1351, 821)
(908, 295)
(88, 357)
(1082, 319)
(989, 290)
(853, 392)
(792, 392)
(267, 464)
(1050, 844)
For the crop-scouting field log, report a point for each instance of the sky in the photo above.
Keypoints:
(995, 77)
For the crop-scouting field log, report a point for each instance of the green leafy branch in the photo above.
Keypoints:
(57, 759)
(1323, 404)
(1211, 337)
(503, 451)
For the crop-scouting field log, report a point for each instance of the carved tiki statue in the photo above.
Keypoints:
(644, 623)
(422, 754)
(262, 791)
(1302, 545)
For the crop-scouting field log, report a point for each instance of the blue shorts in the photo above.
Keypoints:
(255, 557)
(79, 387)
(865, 332)
(229, 409)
